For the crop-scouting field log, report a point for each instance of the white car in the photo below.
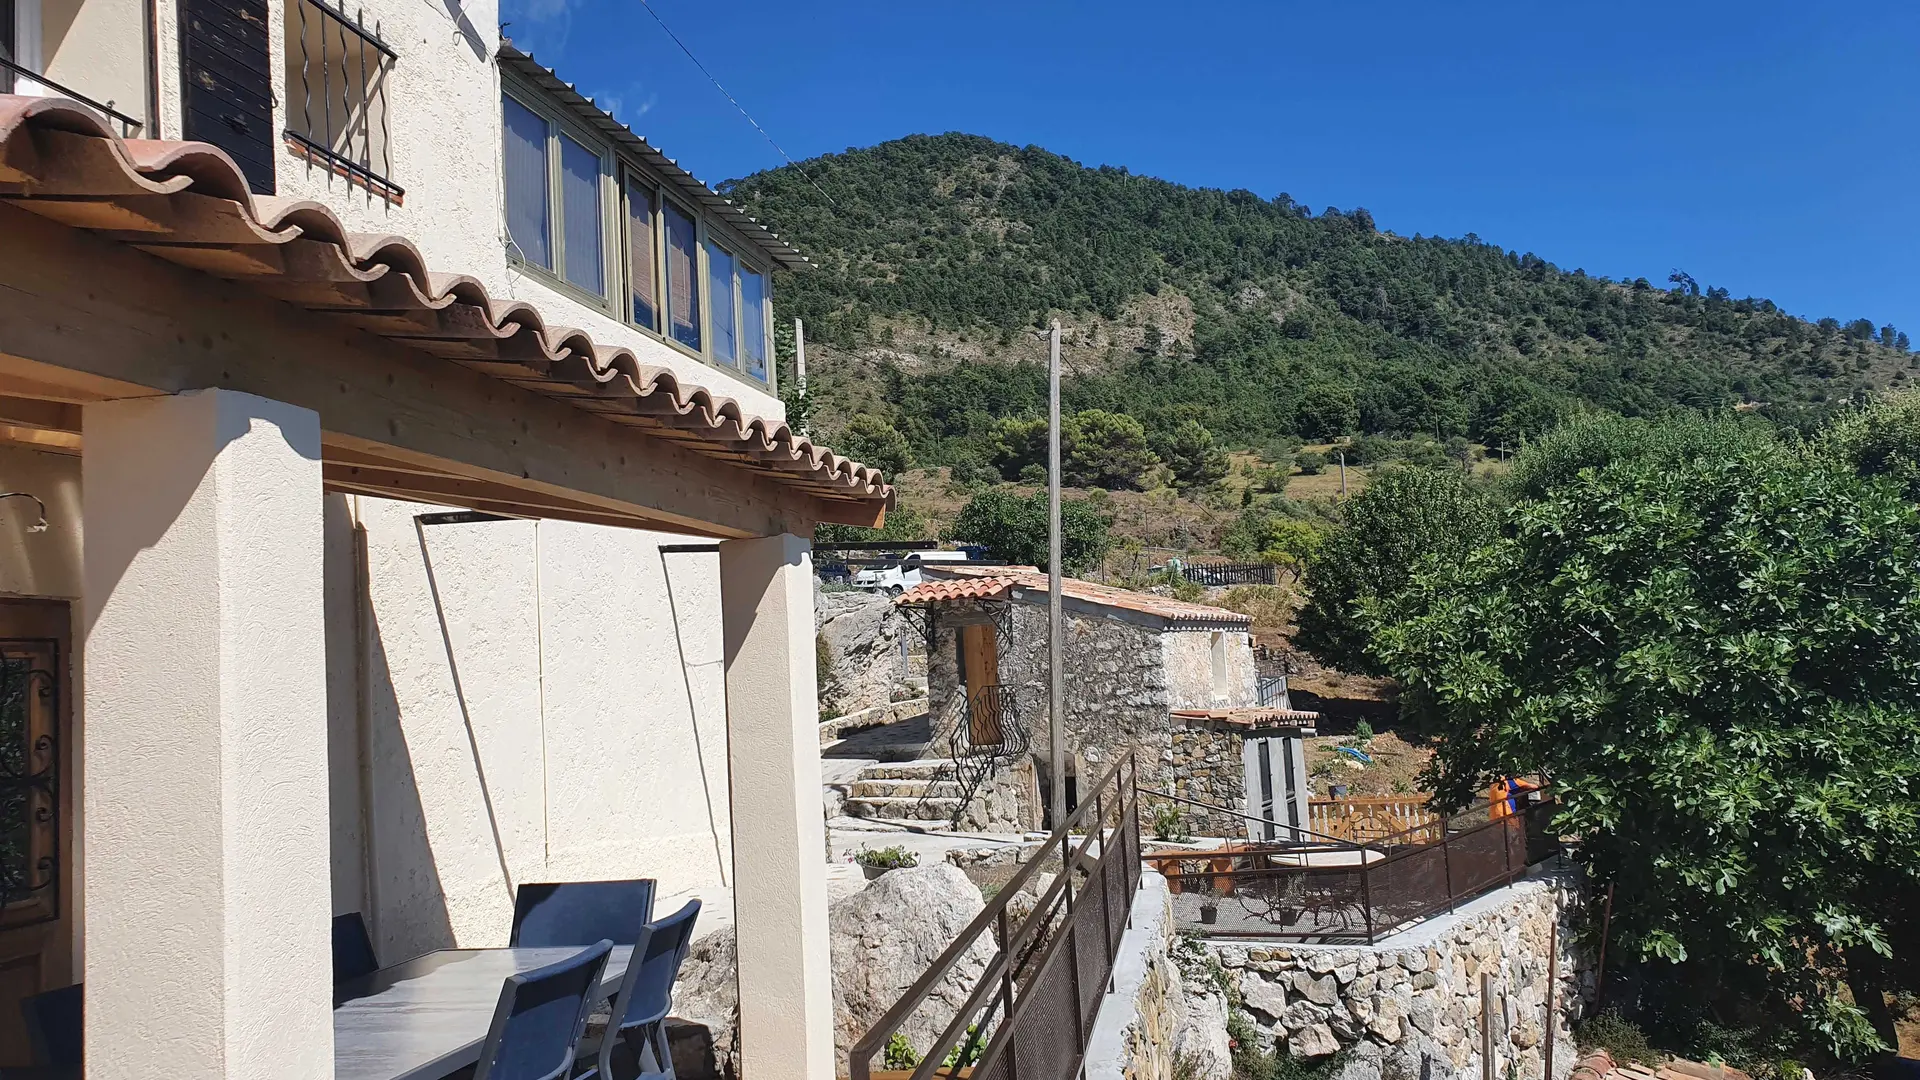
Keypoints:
(898, 578)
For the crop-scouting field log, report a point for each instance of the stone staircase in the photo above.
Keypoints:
(921, 794)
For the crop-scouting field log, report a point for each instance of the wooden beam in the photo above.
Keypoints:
(90, 319)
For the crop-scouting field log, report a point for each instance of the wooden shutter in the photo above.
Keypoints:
(224, 71)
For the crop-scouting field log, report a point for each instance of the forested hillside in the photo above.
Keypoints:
(1259, 316)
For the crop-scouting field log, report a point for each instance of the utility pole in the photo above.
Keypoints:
(800, 366)
(1057, 686)
(1342, 448)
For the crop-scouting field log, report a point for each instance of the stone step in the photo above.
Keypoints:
(919, 769)
(901, 808)
(887, 825)
(871, 787)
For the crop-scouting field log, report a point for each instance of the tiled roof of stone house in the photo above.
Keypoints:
(948, 582)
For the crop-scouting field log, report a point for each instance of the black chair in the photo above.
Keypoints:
(53, 1026)
(575, 913)
(639, 1017)
(541, 1014)
(352, 948)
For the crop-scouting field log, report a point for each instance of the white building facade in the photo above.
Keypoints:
(540, 681)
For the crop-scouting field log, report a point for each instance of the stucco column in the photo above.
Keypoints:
(207, 891)
(779, 833)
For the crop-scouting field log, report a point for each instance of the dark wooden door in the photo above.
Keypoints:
(228, 87)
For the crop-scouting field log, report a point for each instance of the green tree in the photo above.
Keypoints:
(1189, 452)
(1716, 658)
(872, 441)
(1105, 450)
(1291, 543)
(1880, 439)
(1014, 527)
(1310, 462)
(1018, 443)
(1327, 411)
(1402, 517)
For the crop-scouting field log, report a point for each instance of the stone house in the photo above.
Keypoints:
(1133, 661)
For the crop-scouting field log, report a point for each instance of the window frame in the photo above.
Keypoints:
(609, 207)
(619, 173)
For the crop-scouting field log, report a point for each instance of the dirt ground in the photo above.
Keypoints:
(1395, 770)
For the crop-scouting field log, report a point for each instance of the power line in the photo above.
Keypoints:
(736, 103)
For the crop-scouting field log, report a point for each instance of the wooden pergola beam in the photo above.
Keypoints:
(84, 318)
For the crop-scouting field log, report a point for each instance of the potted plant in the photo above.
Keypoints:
(877, 861)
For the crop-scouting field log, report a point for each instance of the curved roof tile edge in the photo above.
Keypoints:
(80, 144)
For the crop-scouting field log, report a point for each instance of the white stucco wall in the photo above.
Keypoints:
(534, 711)
(40, 564)
(443, 97)
(1189, 667)
(444, 139)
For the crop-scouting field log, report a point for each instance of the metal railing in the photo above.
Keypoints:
(1220, 574)
(1362, 891)
(11, 73)
(1030, 1012)
(349, 67)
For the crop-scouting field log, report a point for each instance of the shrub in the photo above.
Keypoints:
(1169, 824)
(899, 1053)
(886, 858)
(1617, 1035)
(1310, 462)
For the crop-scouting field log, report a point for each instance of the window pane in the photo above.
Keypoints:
(526, 166)
(683, 285)
(753, 323)
(580, 216)
(720, 302)
(640, 256)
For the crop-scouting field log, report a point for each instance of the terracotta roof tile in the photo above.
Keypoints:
(1031, 580)
(191, 205)
(935, 592)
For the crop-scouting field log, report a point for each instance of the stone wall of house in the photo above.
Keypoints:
(1412, 1007)
(1115, 683)
(1187, 656)
(1203, 761)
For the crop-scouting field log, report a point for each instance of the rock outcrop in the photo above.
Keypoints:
(882, 938)
(862, 632)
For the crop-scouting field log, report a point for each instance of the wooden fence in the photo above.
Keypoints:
(1365, 818)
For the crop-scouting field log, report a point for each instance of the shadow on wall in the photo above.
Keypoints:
(408, 904)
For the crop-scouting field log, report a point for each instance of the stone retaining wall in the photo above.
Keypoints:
(1411, 1008)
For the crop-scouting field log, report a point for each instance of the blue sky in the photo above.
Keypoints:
(1769, 148)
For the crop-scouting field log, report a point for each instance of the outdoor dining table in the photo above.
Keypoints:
(426, 1018)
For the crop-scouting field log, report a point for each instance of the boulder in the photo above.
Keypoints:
(887, 935)
(862, 632)
(882, 938)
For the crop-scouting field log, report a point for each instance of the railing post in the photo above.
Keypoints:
(1006, 995)
(1366, 893)
(1446, 862)
(1106, 870)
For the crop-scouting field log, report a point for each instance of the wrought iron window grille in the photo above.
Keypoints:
(29, 781)
(357, 144)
